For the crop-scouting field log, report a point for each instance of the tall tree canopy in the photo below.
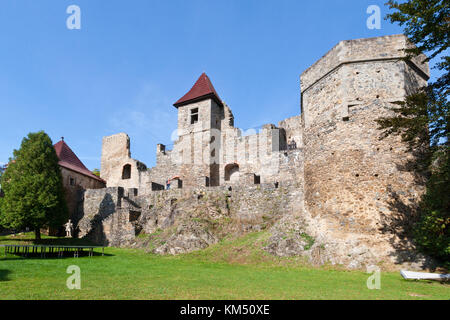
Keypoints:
(423, 119)
(32, 186)
(427, 25)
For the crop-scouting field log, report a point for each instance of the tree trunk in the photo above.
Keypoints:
(37, 233)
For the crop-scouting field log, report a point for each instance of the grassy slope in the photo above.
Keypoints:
(234, 269)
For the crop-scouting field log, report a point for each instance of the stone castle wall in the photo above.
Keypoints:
(191, 219)
(198, 159)
(74, 185)
(349, 189)
(106, 218)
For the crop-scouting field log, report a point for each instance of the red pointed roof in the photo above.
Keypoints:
(202, 89)
(69, 160)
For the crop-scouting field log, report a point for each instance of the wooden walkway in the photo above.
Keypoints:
(43, 250)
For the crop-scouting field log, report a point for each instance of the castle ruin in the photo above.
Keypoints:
(325, 172)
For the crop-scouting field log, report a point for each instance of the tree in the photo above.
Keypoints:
(2, 169)
(422, 120)
(32, 186)
(96, 172)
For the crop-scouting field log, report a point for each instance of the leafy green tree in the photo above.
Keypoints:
(422, 120)
(96, 172)
(32, 185)
(2, 169)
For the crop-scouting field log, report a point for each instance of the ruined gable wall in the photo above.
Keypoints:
(115, 148)
(293, 128)
(115, 155)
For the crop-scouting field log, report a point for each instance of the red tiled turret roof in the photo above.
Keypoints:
(202, 89)
(69, 160)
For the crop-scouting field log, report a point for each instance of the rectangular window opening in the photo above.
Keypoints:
(194, 116)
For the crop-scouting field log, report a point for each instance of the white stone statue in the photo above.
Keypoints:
(69, 226)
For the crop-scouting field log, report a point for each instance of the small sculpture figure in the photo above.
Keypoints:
(69, 227)
(292, 145)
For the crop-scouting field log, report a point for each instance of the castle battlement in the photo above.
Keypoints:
(360, 51)
(356, 73)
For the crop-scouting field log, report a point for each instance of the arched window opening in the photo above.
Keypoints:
(126, 172)
(232, 172)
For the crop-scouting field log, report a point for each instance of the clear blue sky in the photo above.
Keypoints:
(132, 60)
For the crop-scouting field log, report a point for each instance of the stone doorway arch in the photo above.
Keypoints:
(232, 172)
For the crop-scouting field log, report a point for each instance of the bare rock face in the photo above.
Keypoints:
(188, 237)
(289, 238)
(183, 222)
(297, 236)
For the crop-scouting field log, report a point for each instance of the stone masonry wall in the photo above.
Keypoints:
(106, 217)
(74, 192)
(200, 155)
(358, 187)
(190, 220)
(345, 187)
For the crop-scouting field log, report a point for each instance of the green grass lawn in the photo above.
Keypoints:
(229, 270)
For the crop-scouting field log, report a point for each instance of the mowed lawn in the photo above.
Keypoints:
(134, 274)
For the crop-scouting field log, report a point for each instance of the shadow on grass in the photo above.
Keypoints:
(4, 275)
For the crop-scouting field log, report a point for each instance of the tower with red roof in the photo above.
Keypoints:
(200, 115)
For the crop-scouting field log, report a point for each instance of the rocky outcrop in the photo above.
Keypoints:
(188, 236)
(181, 220)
